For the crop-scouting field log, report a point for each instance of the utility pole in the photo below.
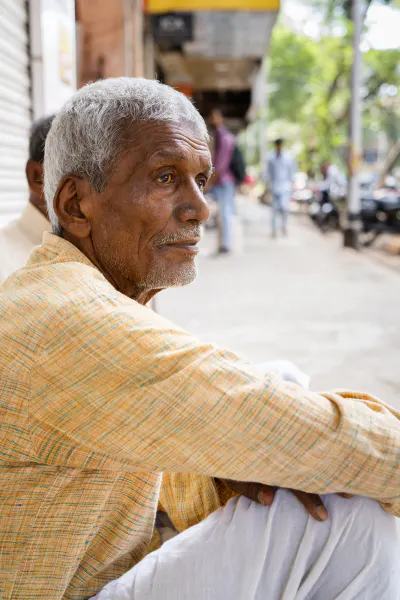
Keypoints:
(149, 54)
(353, 222)
(138, 39)
(133, 38)
(263, 107)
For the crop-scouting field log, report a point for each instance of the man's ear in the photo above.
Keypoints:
(72, 206)
(34, 175)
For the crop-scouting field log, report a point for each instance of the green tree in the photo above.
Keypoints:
(309, 85)
(333, 9)
(293, 69)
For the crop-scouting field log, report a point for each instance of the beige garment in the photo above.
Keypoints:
(19, 238)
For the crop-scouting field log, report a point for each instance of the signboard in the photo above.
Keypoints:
(230, 34)
(163, 6)
(58, 53)
(184, 88)
(172, 28)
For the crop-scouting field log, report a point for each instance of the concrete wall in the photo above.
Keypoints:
(100, 28)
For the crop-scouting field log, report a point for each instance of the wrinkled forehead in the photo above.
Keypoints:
(153, 141)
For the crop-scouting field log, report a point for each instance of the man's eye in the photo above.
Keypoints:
(201, 184)
(166, 179)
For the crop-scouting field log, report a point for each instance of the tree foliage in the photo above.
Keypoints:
(332, 9)
(309, 86)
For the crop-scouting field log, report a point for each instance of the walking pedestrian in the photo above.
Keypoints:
(281, 169)
(224, 187)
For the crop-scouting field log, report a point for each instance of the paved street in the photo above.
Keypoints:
(333, 312)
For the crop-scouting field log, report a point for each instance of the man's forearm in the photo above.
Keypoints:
(211, 414)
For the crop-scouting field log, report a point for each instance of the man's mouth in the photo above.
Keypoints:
(187, 246)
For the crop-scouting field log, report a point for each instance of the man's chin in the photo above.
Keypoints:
(183, 276)
(172, 276)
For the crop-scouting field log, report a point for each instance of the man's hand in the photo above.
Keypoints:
(264, 494)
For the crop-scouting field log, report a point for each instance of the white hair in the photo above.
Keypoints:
(87, 135)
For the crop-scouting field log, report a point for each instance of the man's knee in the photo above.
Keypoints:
(381, 526)
(366, 528)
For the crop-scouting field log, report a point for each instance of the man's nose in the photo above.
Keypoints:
(193, 206)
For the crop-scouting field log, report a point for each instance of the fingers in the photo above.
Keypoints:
(313, 504)
(263, 494)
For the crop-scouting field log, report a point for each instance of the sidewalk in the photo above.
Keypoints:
(334, 312)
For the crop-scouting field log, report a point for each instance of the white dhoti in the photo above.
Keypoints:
(245, 551)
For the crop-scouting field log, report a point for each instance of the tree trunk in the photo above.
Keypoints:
(389, 163)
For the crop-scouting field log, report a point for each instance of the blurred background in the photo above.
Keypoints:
(323, 75)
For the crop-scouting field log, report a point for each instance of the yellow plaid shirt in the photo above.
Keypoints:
(99, 395)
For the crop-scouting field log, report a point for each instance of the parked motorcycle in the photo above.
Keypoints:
(325, 215)
(380, 213)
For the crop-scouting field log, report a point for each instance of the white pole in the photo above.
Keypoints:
(264, 100)
(353, 199)
(149, 55)
(36, 59)
(128, 38)
(138, 39)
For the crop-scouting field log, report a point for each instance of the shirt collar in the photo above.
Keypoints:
(33, 224)
(63, 251)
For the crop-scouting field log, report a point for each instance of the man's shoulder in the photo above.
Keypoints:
(9, 231)
(231, 137)
(54, 287)
(288, 155)
(227, 134)
(14, 249)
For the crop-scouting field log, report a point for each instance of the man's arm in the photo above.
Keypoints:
(269, 172)
(119, 382)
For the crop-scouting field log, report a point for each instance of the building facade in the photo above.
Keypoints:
(37, 75)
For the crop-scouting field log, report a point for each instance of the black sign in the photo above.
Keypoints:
(172, 29)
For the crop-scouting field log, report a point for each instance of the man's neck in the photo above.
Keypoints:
(39, 203)
(117, 280)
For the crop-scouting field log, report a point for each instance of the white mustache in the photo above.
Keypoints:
(179, 236)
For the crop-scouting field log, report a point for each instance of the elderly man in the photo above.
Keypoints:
(19, 238)
(100, 395)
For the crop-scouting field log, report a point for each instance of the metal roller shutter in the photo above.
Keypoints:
(15, 105)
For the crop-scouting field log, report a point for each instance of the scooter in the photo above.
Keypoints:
(380, 213)
(325, 214)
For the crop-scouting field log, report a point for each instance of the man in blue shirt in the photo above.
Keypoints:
(281, 169)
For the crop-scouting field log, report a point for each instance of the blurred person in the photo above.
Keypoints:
(324, 184)
(223, 189)
(281, 169)
(100, 396)
(333, 183)
(18, 238)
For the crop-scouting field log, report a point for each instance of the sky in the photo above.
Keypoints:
(383, 24)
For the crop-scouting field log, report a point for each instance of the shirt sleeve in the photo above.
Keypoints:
(269, 170)
(117, 381)
(223, 153)
(189, 498)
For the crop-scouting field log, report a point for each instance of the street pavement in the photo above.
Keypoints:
(333, 312)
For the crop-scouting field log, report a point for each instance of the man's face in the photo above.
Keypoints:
(34, 175)
(146, 224)
(216, 119)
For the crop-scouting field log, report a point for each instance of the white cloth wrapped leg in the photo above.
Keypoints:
(245, 551)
